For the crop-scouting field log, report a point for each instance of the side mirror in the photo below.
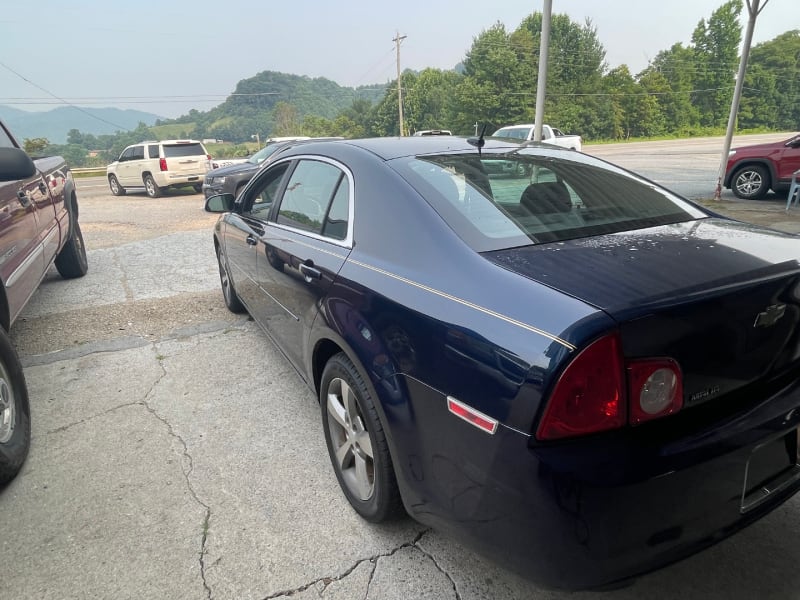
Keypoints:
(220, 203)
(15, 164)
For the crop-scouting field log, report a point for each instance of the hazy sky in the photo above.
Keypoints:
(169, 56)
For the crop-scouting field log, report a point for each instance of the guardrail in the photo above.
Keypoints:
(87, 170)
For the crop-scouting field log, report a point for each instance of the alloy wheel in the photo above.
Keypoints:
(350, 438)
(8, 407)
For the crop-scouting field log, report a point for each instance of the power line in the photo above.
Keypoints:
(62, 100)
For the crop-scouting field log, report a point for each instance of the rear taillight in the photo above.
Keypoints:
(162, 164)
(589, 396)
(599, 391)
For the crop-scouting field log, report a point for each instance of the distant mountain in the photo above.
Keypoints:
(54, 124)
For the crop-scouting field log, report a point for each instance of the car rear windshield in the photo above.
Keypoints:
(503, 200)
(177, 150)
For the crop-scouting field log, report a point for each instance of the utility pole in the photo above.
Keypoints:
(541, 83)
(754, 10)
(397, 40)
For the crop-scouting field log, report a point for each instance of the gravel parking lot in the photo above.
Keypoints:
(176, 454)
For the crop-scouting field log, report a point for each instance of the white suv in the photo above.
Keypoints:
(159, 165)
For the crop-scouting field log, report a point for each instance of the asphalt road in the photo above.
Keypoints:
(176, 454)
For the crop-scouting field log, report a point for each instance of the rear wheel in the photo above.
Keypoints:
(15, 414)
(750, 182)
(71, 262)
(116, 188)
(357, 443)
(150, 186)
(228, 292)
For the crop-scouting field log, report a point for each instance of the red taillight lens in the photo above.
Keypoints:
(162, 164)
(590, 394)
(655, 389)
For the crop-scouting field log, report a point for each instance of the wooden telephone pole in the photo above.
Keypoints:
(397, 40)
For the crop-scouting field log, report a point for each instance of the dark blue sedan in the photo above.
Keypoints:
(575, 371)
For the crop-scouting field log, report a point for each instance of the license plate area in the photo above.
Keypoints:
(772, 466)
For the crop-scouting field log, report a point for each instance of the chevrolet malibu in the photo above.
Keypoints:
(577, 373)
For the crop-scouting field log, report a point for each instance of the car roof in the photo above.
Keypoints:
(388, 148)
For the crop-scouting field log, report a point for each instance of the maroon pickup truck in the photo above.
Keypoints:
(38, 227)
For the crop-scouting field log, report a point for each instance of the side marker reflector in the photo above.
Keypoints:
(471, 416)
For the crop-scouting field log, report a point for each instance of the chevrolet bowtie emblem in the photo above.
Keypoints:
(769, 317)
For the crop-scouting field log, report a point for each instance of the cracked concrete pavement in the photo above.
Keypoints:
(176, 454)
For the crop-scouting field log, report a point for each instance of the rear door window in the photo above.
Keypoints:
(310, 193)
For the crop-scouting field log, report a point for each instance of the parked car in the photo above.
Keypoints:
(754, 170)
(157, 166)
(580, 374)
(426, 132)
(231, 179)
(550, 135)
(38, 228)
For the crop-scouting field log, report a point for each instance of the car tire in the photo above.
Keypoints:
(751, 182)
(150, 187)
(15, 412)
(116, 188)
(198, 188)
(357, 443)
(72, 262)
(228, 291)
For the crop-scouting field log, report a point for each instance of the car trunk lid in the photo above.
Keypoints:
(720, 297)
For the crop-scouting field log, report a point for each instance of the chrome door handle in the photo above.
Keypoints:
(309, 272)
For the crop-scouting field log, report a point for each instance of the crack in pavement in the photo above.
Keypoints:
(326, 581)
(186, 471)
(91, 418)
(441, 569)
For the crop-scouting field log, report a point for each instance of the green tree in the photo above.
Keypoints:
(286, 121)
(429, 103)
(676, 68)
(35, 146)
(74, 154)
(74, 137)
(771, 96)
(716, 49)
(496, 86)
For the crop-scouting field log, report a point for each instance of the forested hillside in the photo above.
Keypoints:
(685, 90)
(263, 102)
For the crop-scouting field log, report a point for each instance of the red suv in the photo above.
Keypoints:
(754, 170)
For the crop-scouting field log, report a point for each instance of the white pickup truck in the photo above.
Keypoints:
(550, 135)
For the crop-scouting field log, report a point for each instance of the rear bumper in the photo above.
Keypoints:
(599, 510)
(168, 179)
